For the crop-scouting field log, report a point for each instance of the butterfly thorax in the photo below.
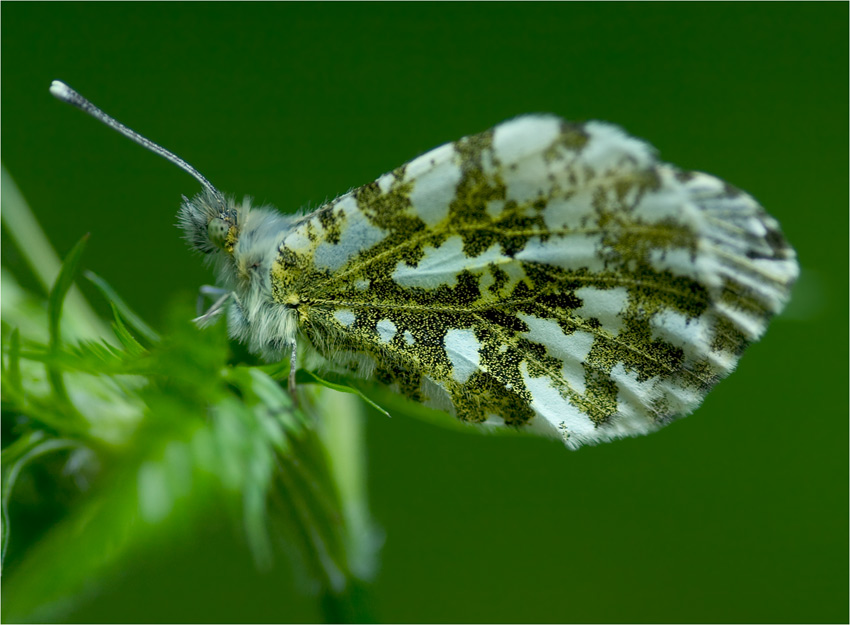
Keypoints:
(242, 242)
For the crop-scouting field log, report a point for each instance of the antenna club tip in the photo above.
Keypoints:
(60, 90)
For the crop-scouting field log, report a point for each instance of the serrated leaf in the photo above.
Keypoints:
(133, 347)
(93, 358)
(133, 320)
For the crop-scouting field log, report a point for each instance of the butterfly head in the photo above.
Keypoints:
(211, 222)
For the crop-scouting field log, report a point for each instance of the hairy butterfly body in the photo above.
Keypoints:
(543, 274)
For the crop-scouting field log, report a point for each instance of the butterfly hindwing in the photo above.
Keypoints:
(541, 274)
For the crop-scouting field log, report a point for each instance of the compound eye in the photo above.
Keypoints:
(217, 230)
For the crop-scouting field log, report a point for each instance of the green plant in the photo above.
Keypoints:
(140, 435)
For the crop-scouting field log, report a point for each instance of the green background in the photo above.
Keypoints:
(738, 513)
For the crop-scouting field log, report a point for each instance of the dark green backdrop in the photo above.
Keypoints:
(738, 513)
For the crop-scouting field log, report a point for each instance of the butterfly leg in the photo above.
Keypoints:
(217, 307)
(212, 291)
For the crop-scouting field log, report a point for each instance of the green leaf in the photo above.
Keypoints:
(55, 300)
(60, 288)
(89, 357)
(24, 450)
(401, 405)
(13, 372)
(133, 320)
(308, 377)
(126, 518)
(133, 347)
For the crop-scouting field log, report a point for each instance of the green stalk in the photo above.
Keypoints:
(343, 434)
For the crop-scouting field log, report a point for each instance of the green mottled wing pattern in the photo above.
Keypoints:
(543, 274)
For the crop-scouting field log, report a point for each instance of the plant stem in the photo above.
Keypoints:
(343, 435)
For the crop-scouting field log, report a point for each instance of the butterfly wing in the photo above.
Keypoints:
(540, 274)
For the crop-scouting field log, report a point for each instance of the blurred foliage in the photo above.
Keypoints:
(125, 441)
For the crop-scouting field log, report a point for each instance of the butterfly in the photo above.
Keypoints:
(545, 275)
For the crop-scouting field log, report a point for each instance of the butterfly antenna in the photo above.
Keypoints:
(63, 92)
